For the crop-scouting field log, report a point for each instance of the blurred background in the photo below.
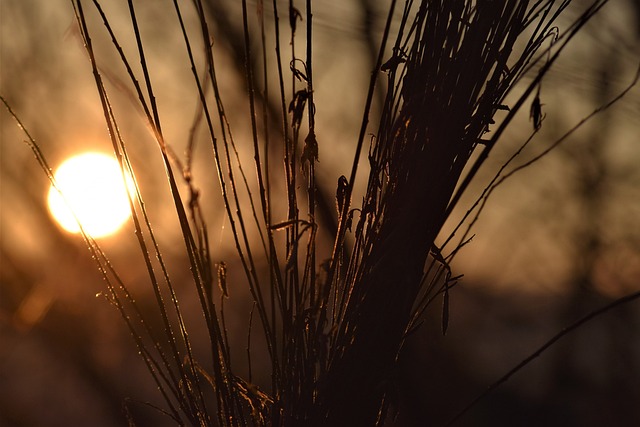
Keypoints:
(556, 241)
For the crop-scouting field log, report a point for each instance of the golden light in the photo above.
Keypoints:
(92, 192)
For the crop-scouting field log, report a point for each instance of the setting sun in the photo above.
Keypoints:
(93, 193)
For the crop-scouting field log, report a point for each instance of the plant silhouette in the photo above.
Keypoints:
(336, 285)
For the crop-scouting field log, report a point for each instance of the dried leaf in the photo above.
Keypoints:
(296, 107)
(392, 63)
(301, 76)
(310, 151)
(294, 15)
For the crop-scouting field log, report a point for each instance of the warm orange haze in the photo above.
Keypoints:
(255, 277)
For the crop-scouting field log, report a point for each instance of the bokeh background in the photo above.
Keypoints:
(556, 241)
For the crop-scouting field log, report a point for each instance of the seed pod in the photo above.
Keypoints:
(536, 112)
(341, 193)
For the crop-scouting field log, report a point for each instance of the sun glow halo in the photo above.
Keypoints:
(94, 191)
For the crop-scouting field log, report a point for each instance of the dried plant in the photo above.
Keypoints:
(333, 323)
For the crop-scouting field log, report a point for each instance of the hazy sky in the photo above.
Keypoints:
(525, 234)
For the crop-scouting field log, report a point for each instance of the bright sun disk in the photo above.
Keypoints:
(94, 191)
